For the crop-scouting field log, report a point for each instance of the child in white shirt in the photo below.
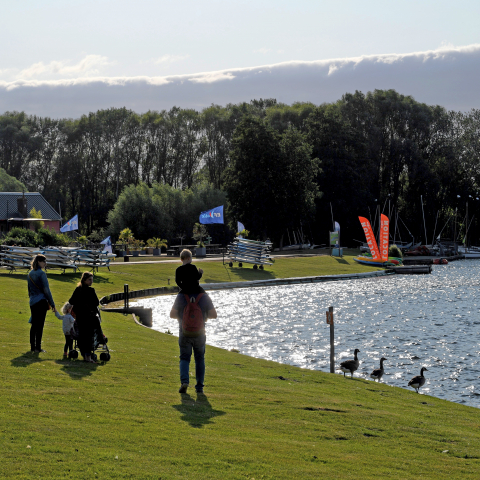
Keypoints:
(68, 322)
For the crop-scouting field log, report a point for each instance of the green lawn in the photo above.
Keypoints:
(258, 419)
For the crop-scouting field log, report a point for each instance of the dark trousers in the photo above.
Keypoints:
(68, 343)
(39, 312)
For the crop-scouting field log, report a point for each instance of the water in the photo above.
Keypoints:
(411, 320)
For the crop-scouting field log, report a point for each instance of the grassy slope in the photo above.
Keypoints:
(259, 419)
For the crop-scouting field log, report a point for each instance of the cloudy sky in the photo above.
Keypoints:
(66, 58)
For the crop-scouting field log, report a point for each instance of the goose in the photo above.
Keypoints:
(349, 366)
(377, 374)
(418, 381)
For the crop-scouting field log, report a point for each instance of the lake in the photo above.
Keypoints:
(411, 320)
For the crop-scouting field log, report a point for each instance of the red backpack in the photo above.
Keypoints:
(193, 324)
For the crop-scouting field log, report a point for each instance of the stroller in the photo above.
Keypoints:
(99, 341)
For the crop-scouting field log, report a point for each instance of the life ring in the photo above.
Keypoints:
(444, 261)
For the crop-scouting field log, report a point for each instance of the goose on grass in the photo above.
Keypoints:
(350, 366)
(377, 374)
(418, 381)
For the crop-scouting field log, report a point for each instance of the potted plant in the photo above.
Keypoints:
(135, 247)
(157, 244)
(199, 232)
(201, 250)
(150, 246)
(141, 245)
(126, 237)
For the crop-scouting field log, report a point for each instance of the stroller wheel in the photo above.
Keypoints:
(93, 356)
(73, 354)
(105, 357)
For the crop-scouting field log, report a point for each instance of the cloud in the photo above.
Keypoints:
(446, 76)
(88, 66)
(212, 77)
(170, 59)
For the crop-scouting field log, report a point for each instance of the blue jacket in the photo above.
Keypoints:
(38, 288)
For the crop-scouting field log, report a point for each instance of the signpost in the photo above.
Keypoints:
(332, 338)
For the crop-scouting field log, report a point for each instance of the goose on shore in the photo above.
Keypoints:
(350, 366)
(377, 374)
(418, 381)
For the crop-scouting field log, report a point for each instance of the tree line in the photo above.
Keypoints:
(277, 166)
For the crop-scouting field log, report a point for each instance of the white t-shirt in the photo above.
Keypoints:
(68, 322)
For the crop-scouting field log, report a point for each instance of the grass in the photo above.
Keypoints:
(259, 419)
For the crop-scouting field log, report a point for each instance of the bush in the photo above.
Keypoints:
(21, 237)
(394, 251)
(24, 237)
(46, 237)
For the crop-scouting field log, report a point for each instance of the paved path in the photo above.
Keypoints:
(213, 258)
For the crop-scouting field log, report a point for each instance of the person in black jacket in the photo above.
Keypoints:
(85, 305)
(187, 276)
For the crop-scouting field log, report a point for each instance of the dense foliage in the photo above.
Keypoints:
(380, 148)
(9, 183)
(161, 210)
(24, 237)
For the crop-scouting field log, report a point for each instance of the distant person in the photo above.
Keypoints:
(41, 301)
(187, 276)
(85, 305)
(192, 335)
(67, 325)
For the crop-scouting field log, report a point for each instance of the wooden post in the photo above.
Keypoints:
(332, 339)
(125, 295)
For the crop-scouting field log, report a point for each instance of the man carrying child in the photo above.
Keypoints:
(191, 336)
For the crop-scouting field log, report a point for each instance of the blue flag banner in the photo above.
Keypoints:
(215, 215)
(240, 227)
(72, 224)
(108, 245)
(106, 241)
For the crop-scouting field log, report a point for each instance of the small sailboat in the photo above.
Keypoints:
(378, 257)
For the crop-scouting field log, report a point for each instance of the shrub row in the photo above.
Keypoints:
(23, 237)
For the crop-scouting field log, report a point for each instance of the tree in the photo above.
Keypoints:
(10, 184)
(34, 213)
(270, 181)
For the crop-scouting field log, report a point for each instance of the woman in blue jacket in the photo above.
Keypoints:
(40, 301)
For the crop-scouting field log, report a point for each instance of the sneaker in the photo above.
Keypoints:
(65, 354)
(200, 392)
(183, 388)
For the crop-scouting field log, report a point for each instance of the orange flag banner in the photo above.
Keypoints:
(372, 243)
(384, 236)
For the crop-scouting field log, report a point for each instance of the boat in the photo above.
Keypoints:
(368, 260)
(469, 252)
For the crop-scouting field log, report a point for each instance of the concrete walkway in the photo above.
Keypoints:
(294, 280)
(208, 258)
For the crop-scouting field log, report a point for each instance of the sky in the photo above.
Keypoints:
(67, 58)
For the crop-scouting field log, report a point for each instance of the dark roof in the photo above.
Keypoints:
(9, 209)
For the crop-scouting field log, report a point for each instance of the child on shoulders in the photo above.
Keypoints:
(67, 325)
(187, 276)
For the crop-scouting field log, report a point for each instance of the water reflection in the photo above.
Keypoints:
(413, 321)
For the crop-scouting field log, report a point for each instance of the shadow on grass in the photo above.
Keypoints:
(26, 359)
(248, 273)
(341, 260)
(197, 412)
(74, 278)
(77, 369)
